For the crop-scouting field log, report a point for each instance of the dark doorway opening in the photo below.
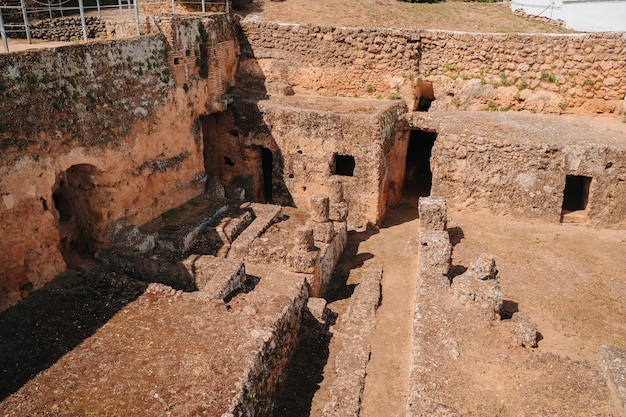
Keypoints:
(575, 199)
(267, 164)
(418, 176)
(80, 219)
(425, 95)
(343, 165)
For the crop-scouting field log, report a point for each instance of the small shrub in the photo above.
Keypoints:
(369, 88)
(522, 85)
(588, 81)
(504, 80)
(394, 96)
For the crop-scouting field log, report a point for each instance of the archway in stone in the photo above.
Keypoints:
(80, 218)
(418, 175)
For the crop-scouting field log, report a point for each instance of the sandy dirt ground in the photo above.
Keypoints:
(569, 279)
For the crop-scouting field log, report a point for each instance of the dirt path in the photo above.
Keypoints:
(388, 371)
(569, 279)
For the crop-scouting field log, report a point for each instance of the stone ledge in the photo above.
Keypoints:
(215, 277)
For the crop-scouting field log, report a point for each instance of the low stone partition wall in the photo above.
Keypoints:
(462, 347)
(351, 337)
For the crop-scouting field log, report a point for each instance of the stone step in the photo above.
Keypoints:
(265, 216)
(215, 277)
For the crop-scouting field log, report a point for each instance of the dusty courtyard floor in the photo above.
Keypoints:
(569, 279)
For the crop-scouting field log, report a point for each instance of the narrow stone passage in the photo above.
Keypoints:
(394, 247)
(388, 371)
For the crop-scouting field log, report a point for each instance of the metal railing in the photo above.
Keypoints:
(15, 21)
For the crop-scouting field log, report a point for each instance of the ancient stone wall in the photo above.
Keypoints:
(518, 165)
(96, 133)
(313, 137)
(542, 73)
(539, 72)
(348, 62)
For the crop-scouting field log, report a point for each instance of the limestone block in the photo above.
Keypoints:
(217, 277)
(316, 309)
(338, 212)
(480, 283)
(319, 208)
(614, 365)
(335, 191)
(304, 238)
(484, 267)
(302, 262)
(524, 330)
(433, 213)
(435, 253)
(323, 232)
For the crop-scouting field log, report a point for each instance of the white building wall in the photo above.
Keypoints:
(582, 15)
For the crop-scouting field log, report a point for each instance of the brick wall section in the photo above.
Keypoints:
(383, 62)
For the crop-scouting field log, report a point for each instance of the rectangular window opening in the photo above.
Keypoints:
(343, 165)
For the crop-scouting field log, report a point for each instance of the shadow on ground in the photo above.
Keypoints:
(52, 321)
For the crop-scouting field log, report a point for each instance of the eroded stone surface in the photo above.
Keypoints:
(614, 364)
(433, 213)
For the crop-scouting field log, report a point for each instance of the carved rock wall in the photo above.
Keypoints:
(124, 111)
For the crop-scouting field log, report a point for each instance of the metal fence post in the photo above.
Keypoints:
(3, 33)
(61, 7)
(173, 7)
(49, 9)
(203, 7)
(25, 16)
(119, 3)
(137, 17)
(227, 7)
(98, 6)
(82, 19)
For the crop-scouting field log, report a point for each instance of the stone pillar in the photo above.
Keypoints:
(323, 228)
(433, 213)
(303, 257)
(338, 207)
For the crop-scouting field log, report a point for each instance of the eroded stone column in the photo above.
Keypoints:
(323, 228)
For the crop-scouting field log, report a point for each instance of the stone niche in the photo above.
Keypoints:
(312, 140)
